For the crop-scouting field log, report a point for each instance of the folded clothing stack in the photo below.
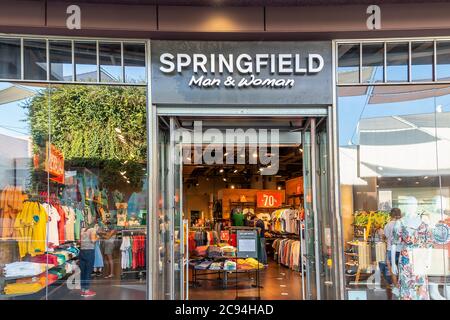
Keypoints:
(216, 266)
(248, 264)
(229, 265)
(25, 269)
(30, 285)
(228, 251)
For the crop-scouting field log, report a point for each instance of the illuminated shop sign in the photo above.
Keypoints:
(206, 72)
(204, 66)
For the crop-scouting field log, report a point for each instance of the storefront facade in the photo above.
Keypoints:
(101, 115)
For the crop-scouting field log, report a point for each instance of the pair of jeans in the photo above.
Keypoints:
(263, 252)
(86, 258)
(384, 266)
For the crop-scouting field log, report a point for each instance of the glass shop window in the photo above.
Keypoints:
(10, 59)
(422, 61)
(110, 62)
(348, 63)
(443, 60)
(85, 61)
(372, 62)
(134, 62)
(61, 68)
(397, 62)
(35, 59)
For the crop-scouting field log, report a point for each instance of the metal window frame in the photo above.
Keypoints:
(385, 82)
(72, 40)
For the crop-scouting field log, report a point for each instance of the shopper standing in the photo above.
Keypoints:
(396, 215)
(87, 256)
(109, 237)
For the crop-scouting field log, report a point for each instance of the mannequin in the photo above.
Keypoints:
(440, 204)
(410, 232)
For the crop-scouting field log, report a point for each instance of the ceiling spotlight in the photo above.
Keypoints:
(221, 170)
(224, 179)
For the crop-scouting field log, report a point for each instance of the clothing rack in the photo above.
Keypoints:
(131, 232)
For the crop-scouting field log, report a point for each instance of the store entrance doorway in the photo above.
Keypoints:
(217, 176)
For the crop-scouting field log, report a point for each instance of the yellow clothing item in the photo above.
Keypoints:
(31, 228)
(23, 288)
(11, 203)
(250, 262)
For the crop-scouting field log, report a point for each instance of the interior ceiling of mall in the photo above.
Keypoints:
(290, 165)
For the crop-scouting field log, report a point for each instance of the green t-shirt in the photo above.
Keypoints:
(78, 218)
(238, 219)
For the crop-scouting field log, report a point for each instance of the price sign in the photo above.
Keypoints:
(269, 199)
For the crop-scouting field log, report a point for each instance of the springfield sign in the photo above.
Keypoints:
(201, 72)
(244, 64)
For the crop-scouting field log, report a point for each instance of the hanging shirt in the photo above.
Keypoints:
(70, 224)
(238, 219)
(78, 218)
(52, 225)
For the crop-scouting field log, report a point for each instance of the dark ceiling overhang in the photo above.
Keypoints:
(251, 3)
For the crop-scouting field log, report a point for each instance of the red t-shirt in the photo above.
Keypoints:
(61, 223)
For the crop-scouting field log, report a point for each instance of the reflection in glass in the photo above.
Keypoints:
(391, 142)
(348, 63)
(134, 62)
(61, 68)
(422, 61)
(443, 60)
(110, 62)
(35, 59)
(397, 60)
(372, 62)
(10, 58)
(85, 61)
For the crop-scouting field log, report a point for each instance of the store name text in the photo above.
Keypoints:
(245, 65)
